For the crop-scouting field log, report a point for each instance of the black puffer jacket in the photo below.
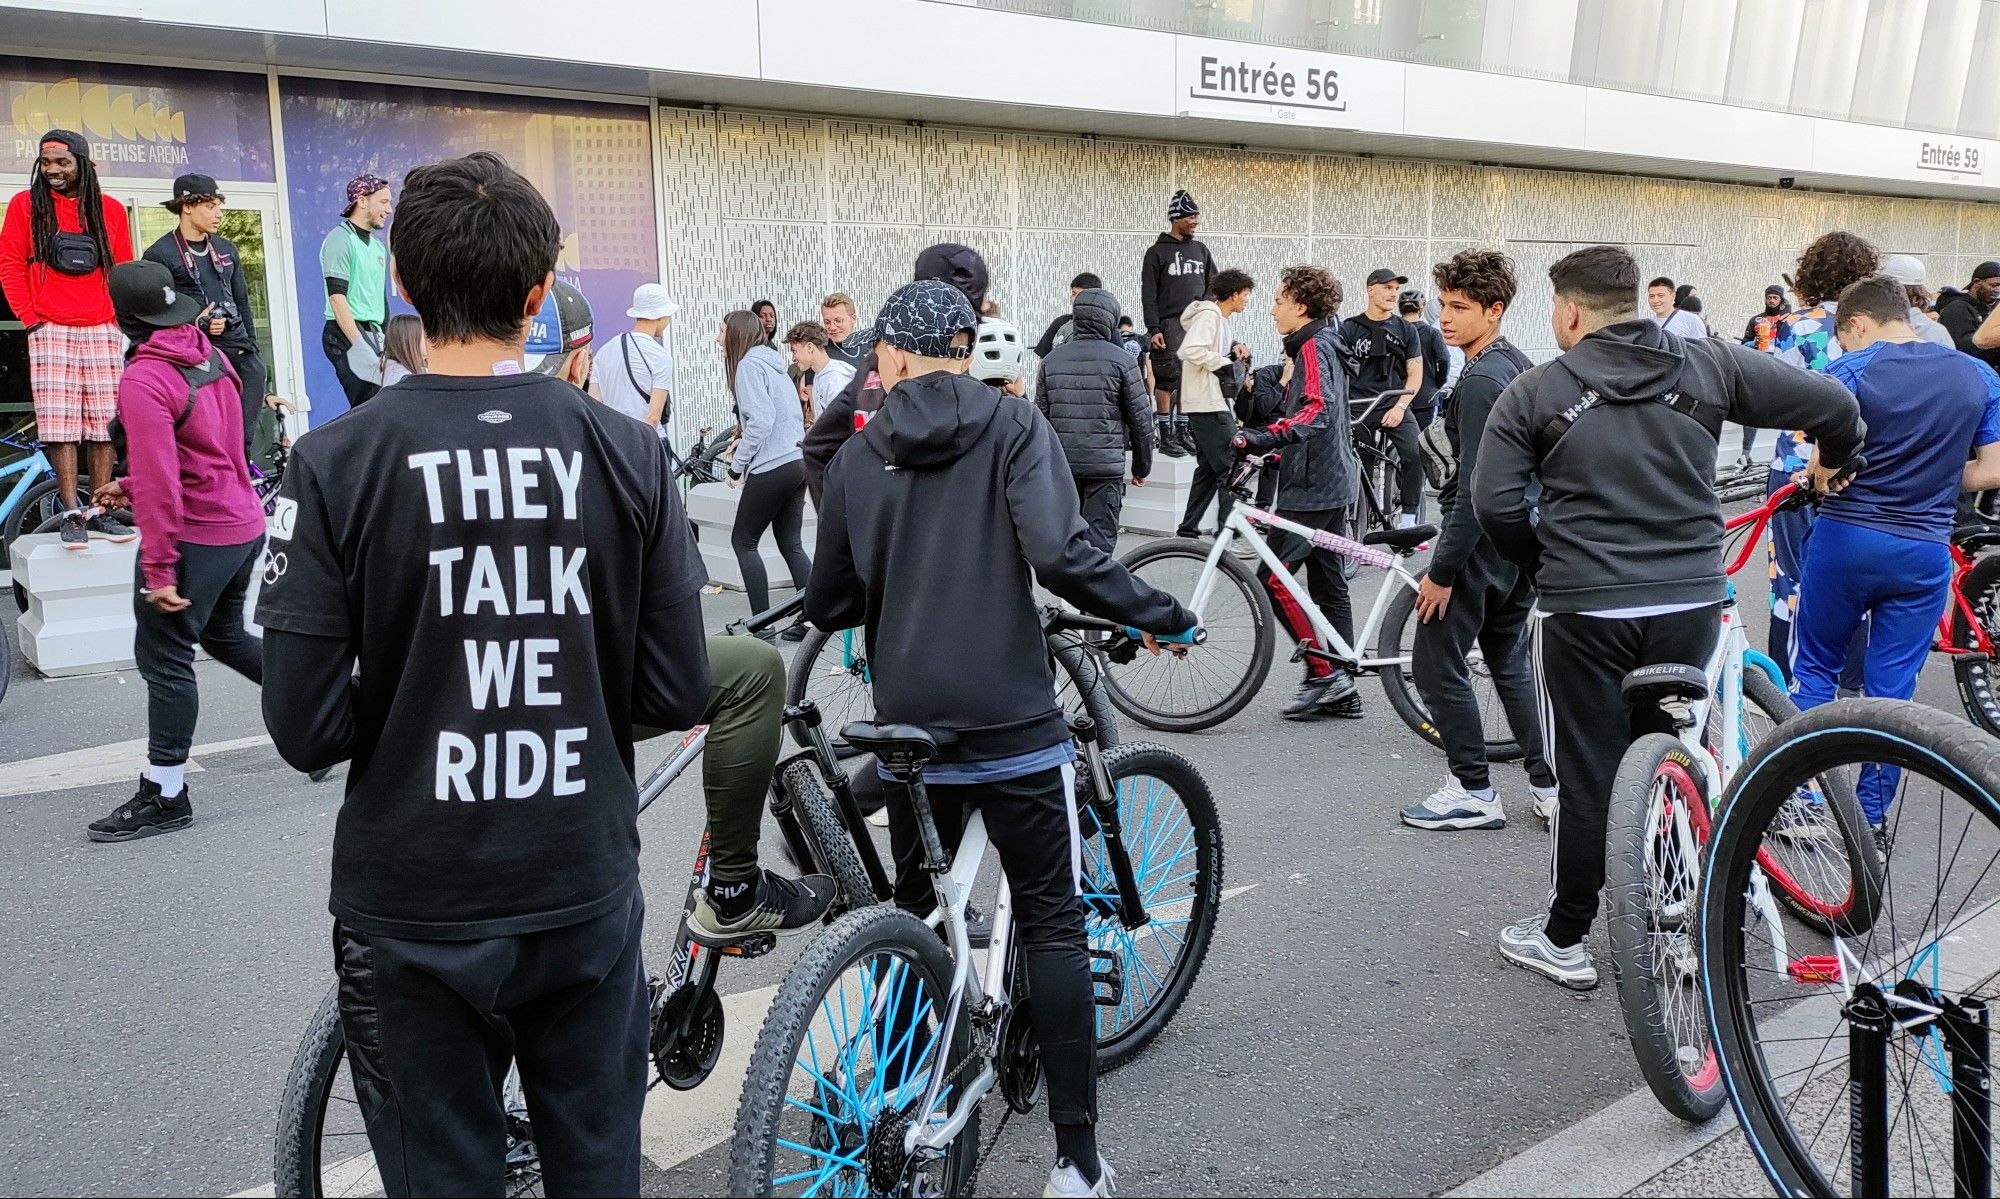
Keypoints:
(1092, 392)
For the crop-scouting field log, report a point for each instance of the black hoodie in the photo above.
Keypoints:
(1628, 515)
(1961, 315)
(1174, 274)
(936, 523)
(1092, 392)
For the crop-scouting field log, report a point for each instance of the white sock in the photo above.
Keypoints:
(1483, 795)
(1407, 520)
(1542, 792)
(170, 778)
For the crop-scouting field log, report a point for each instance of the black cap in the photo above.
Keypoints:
(1776, 289)
(192, 187)
(923, 317)
(1383, 274)
(1986, 270)
(960, 266)
(143, 291)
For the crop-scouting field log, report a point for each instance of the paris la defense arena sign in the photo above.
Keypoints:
(1235, 82)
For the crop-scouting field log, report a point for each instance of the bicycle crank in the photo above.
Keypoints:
(687, 1037)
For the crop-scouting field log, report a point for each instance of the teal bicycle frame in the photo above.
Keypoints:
(32, 469)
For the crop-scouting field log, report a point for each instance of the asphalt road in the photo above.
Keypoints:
(1354, 1030)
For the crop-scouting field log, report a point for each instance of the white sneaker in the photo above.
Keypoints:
(1544, 804)
(1451, 807)
(879, 818)
(1527, 945)
(1066, 1181)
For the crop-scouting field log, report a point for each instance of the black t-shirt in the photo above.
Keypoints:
(487, 546)
(1379, 354)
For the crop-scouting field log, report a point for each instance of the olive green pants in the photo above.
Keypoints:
(746, 713)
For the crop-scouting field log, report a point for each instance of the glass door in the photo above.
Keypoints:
(251, 223)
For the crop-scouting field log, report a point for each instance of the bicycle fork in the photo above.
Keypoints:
(1962, 1027)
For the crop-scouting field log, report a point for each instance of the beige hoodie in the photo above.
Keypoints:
(1205, 349)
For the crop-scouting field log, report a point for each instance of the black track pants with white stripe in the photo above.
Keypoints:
(1032, 822)
(1580, 664)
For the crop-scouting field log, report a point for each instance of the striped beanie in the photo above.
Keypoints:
(1182, 205)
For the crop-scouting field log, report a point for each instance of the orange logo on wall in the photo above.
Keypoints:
(121, 126)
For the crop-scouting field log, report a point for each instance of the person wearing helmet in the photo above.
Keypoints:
(1092, 392)
(997, 353)
(841, 416)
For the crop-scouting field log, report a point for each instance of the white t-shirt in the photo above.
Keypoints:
(1683, 322)
(829, 381)
(649, 365)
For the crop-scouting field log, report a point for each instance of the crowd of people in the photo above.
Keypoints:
(481, 585)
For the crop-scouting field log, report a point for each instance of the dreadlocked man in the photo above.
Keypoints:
(57, 246)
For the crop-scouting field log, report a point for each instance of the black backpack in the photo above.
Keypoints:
(196, 377)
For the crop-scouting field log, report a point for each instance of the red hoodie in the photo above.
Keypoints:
(188, 484)
(34, 291)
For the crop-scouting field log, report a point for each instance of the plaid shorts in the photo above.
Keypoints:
(73, 371)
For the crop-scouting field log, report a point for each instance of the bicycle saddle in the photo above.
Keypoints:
(1975, 537)
(897, 745)
(1403, 541)
(1657, 684)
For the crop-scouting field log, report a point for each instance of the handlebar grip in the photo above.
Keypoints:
(1194, 636)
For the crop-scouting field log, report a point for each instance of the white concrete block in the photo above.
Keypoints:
(1156, 508)
(79, 617)
(712, 507)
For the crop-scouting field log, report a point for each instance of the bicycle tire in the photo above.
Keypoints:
(836, 707)
(6, 659)
(1978, 679)
(1852, 912)
(1408, 703)
(1938, 747)
(1121, 678)
(789, 1029)
(1089, 680)
(1636, 910)
(1158, 848)
(838, 855)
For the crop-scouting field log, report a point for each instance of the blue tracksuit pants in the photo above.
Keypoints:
(1900, 584)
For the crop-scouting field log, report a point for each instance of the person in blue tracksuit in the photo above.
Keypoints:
(1881, 548)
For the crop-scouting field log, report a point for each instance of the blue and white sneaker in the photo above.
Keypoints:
(1451, 808)
(1527, 945)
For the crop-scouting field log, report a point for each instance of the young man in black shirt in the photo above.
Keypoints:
(1063, 328)
(1437, 358)
(1173, 274)
(1386, 355)
(510, 568)
(1470, 595)
(938, 519)
(205, 265)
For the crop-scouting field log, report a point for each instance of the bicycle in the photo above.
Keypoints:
(821, 826)
(1374, 506)
(886, 1037)
(33, 498)
(1890, 1028)
(1822, 866)
(831, 670)
(1192, 692)
(322, 1146)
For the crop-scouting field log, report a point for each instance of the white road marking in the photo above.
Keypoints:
(1233, 892)
(98, 765)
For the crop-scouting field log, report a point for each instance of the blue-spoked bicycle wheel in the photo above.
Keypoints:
(842, 1066)
(1174, 839)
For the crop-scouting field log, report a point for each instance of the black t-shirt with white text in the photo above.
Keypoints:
(487, 547)
(1379, 354)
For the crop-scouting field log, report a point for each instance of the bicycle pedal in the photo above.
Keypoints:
(755, 947)
(1111, 977)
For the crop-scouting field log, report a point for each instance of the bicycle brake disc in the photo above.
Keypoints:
(684, 1061)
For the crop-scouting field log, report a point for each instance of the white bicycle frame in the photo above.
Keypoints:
(1240, 525)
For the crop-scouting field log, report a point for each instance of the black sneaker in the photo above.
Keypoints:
(1169, 443)
(1305, 703)
(111, 528)
(146, 814)
(783, 906)
(73, 530)
(1342, 698)
(796, 633)
(1884, 840)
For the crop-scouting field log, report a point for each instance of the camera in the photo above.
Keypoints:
(225, 311)
(1787, 182)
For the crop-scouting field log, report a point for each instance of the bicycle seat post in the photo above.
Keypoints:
(909, 771)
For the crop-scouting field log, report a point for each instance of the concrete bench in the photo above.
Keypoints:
(712, 507)
(79, 617)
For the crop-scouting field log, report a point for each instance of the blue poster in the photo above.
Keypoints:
(594, 162)
(142, 122)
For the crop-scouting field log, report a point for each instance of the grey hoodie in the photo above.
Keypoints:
(936, 523)
(767, 406)
(1628, 515)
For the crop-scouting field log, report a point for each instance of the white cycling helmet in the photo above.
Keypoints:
(997, 353)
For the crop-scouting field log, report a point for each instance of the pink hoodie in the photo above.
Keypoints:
(188, 484)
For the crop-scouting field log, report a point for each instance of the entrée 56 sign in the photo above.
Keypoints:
(1222, 79)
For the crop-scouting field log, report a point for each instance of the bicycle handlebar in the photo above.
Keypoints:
(1056, 620)
(1377, 403)
(1789, 498)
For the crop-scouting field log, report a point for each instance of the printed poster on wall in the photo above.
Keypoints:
(593, 161)
(142, 122)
